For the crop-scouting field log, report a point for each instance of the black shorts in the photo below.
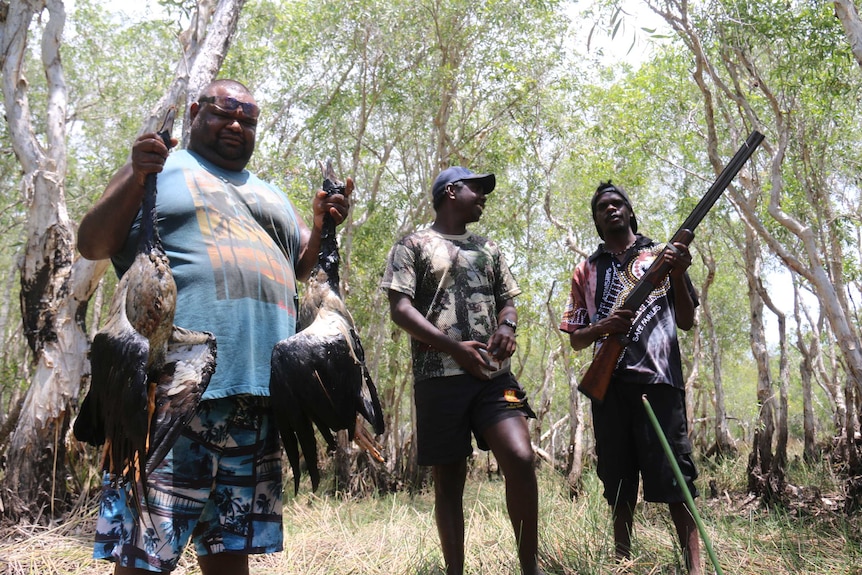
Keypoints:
(627, 445)
(448, 409)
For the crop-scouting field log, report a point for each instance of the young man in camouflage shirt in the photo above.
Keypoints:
(452, 292)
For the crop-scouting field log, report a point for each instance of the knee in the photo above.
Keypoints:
(525, 455)
(520, 458)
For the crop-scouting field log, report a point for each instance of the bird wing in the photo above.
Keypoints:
(190, 361)
(367, 400)
(115, 408)
(313, 381)
(291, 363)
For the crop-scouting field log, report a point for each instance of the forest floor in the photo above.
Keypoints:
(395, 534)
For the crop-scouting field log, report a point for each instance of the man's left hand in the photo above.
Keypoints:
(678, 259)
(502, 343)
(336, 205)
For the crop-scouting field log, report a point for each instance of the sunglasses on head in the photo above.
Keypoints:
(230, 104)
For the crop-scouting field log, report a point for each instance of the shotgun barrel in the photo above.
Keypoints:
(597, 378)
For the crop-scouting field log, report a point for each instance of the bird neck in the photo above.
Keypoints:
(149, 234)
(328, 258)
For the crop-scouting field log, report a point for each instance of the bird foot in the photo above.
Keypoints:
(363, 438)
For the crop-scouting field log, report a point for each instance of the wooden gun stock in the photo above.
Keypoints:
(594, 383)
(597, 378)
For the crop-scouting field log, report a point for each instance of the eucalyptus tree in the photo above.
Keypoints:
(784, 70)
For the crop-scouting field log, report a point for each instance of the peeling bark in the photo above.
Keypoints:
(55, 287)
(846, 11)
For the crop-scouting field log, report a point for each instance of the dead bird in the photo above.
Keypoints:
(148, 375)
(318, 376)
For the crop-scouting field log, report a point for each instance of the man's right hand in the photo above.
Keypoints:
(620, 321)
(148, 156)
(469, 355)
(104, 228)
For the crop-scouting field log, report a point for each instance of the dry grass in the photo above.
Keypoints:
(395, 534)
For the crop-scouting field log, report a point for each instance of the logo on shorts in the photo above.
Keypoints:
(511, 395)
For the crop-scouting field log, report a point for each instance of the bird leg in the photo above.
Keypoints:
(107, 464)
(366, 441)
(151, 408)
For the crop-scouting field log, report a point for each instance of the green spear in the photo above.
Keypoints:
(681, 480)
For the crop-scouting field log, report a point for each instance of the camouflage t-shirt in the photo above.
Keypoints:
(459, 283)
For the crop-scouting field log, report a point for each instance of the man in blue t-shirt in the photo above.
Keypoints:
(237, 248)
(627, 446)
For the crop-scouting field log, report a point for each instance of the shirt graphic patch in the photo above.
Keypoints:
(234, 225)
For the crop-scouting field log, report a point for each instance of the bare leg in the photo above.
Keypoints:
(223, 564)
(689, 539)
(510, 441)
(623, 518)
(449, 482)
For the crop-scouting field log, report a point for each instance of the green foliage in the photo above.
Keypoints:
(395, 90)
(369, 89)
(110, 92)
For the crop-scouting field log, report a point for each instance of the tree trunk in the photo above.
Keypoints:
(54, 292)
(576, 435)
(55, 288)
(810, 453)
(849, 16)
(779, 461)
(760, 460)
(542, 398)
(577, 402)
(723, 445)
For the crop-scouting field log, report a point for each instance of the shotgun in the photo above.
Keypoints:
(597, 378)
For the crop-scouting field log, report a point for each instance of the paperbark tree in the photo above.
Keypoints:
(745, 87)
(849, 15)
(55, 284)
(54, 287)
(809, 353)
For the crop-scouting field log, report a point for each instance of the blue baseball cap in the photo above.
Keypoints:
(460, 174)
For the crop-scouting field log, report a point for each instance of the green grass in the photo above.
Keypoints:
(395, 534)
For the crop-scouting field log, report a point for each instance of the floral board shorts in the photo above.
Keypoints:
(220, 485)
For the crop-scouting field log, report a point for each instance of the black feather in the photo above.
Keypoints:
(319, 378)
(147, 375)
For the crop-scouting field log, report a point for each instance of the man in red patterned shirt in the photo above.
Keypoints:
(626, 443)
